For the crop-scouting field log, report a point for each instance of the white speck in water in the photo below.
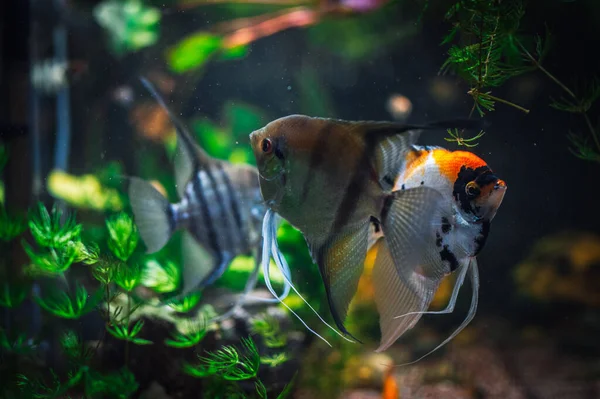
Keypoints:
(289, 88)
(535, 144)
(102, 155)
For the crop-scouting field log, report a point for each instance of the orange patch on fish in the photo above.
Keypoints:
(365, 292)
(414, 160)
(450, 162)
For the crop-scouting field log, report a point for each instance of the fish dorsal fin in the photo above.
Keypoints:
(188, 155)
(341, 260)
(388, 143)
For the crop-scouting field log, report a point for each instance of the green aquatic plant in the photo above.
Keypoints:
(127, 275)
(185, 304)
(75, 349)
(50, 261)
(491, 54)
(275, 360)
(12, 294)
(456, 136)
(19, 345)
(162, 277)
(66, 306)
(267, 327)
(123, 235)
(125, 333)
(49, 230)
(228, 363)
(119, 384)
(496, 51)
(130, 24)
(195, 332)
(10, 226)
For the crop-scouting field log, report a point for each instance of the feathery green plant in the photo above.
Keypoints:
(123, 235)
(10, 226)
(20, 344)
(125, 333)
(12, 295)
(48, 230)
(162, 277)
(193, 334)
(228, 362)
(275, 360)
(185, 304)
(267, 327)
(64, 305)
(496, 51)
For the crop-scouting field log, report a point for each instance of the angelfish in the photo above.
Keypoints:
(473, 194)
(334, 180)
(220, 211)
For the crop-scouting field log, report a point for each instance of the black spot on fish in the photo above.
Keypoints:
(482, 176)
(171, 217)
(438, 239)
(422, 182)
(446, 226)
(482, 237)
(278, 153)
(403, 187)
(447, 255)
(388, 180)
(376, 224)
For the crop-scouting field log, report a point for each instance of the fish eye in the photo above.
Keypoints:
(472, 189)
(267, 146)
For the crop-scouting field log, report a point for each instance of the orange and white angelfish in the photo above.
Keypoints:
(473, 194)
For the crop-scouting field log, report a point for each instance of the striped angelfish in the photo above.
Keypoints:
(220, 210)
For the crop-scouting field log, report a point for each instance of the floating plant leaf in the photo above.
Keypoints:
(61, 304)
(123, 235)
(186, 303)
(48, 230)
(124, 333)
(162, 276)
(12, 295)
(193, 51)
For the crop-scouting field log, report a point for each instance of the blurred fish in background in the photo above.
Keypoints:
(220, 211)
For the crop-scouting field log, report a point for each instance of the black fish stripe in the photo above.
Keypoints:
(317, 157)
(220, 202)
(349, 202)
(208, 225)
(229, 224)
(234, 204)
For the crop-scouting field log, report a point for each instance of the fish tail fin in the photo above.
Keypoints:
(152, 214)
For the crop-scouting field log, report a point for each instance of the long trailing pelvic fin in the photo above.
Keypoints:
(472, 266)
